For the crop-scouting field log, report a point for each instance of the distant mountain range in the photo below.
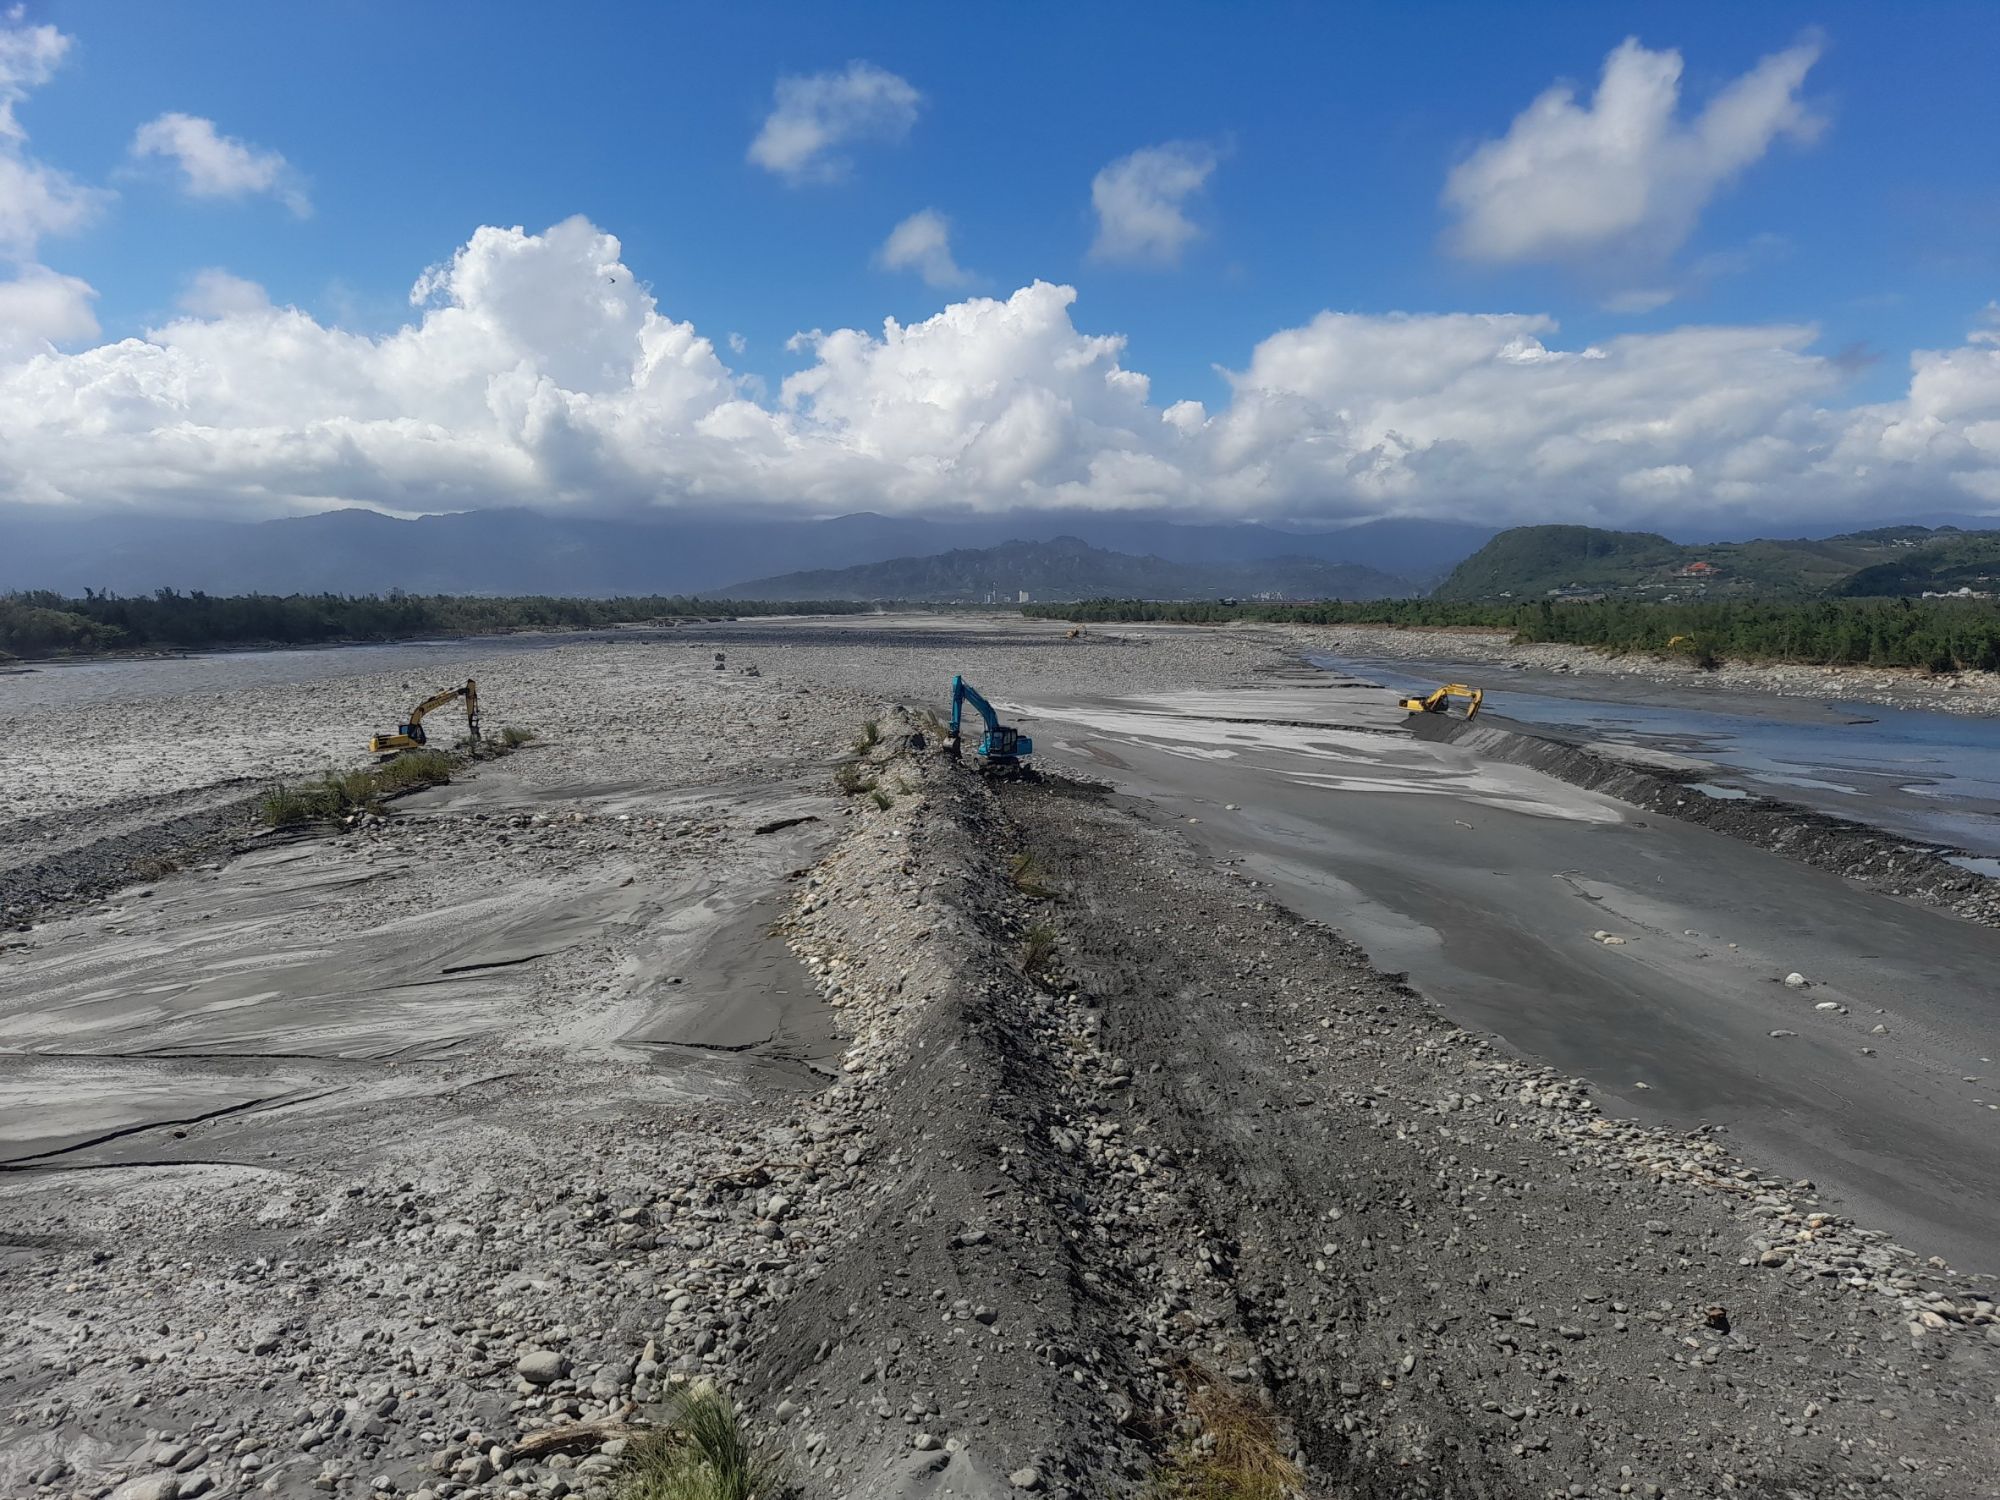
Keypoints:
(495, 552)
(528, 552)
(1537, 562)
(1069, 568)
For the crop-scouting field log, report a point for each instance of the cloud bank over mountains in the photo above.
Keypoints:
(538, 370)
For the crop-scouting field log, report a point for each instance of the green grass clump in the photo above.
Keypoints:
(705, 1455)
(871, 736)
(341, 794)
(851, 780)
(287, 807)
(882, 799)
(411, 772)
(514, 738)
(348, 791)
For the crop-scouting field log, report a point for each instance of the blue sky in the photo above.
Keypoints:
(1324, 138)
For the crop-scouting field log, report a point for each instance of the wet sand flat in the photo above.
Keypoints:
(1487, 883)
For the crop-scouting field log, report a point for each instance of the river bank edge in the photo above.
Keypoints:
(1973, 693)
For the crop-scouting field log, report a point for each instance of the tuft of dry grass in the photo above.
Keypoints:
(1026, 873)
(1236, 1457)
(704, 1455)
(1039, 949)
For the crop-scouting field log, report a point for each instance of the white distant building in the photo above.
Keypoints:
(1024, 597)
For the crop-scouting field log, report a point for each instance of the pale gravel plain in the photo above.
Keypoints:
(310, 1149)
(511, 1114)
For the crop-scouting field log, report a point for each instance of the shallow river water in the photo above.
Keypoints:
(1933, 777)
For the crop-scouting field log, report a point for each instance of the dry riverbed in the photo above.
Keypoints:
(985, 1141)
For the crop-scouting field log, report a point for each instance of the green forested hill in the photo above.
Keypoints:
(1968, 560)
(1534, 562)
(1531, 560)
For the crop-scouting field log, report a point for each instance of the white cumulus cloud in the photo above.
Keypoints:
(40, 308)
(29, 57)
(537, 370)
(1140, 201)
(35, 199)
(1624, 175)
(216, 293)
(214, 165)
(922, 243)
(813, 116)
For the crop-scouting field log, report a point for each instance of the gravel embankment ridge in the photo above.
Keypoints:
(1209, 1144)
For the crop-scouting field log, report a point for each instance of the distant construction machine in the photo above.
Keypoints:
(1439, 702)
(411, 736)
(1002, 747)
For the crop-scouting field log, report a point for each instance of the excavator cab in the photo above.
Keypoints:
(1439, 701)
(1002, 747)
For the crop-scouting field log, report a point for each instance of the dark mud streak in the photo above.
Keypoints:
(248, 1106)
(779, 824)
(492, 963)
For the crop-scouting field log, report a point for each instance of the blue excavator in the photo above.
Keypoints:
(1002, 747)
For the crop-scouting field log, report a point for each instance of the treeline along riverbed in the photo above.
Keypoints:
(1939, 635)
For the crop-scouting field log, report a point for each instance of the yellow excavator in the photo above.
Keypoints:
(1439, 702)
(411, 736)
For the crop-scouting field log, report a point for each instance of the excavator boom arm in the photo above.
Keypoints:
(439, 700)
(962, 693)
(410, 734)
(1002, 746)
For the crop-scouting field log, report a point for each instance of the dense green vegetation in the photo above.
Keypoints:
(1971, 560)
(1939, 635)
(1533, 559)
(46, 624)
(339, 795)
(1532, 562)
